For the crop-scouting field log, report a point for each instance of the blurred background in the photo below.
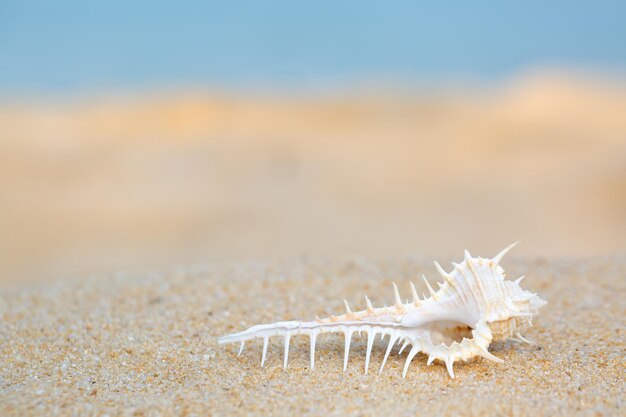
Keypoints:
(152, 133)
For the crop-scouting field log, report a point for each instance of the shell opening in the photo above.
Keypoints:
(447, 332)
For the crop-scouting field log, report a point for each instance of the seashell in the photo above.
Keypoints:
(474, 306)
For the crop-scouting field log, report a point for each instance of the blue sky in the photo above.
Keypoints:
(74, 46)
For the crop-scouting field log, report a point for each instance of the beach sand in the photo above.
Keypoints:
(144, 343)
(105, 183)
(335, 195)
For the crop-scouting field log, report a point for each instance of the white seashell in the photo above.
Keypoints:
(474, 306)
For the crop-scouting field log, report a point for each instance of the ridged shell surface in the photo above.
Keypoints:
(473, 305)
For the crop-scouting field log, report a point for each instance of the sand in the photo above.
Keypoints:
(112, 183)
(144, 343)
(103, 183)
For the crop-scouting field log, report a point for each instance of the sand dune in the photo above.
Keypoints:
(91, 184)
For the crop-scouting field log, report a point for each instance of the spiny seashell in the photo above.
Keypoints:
(473, 306)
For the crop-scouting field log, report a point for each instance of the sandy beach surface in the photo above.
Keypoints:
(335, 195)
(105, 183)
(144, 343)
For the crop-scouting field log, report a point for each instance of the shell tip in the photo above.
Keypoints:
(496, 259)
(449, 367)
(396, 295)
(348, 311)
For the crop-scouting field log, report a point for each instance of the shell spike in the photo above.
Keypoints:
(347, 349)
(444, 274)
(404, 345)
(432, 292)
(468, 256)
(496, 259)
(371, 334)
(286, 358)
(392, 341)
(416, 298)
(241, 348)
(449, 364)
(312, 340)
(348, 311)
(414, 350)
(264, 355)
(520, 279)
(523, 339)
(485, 354)
(369, 305)
(396, 295)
